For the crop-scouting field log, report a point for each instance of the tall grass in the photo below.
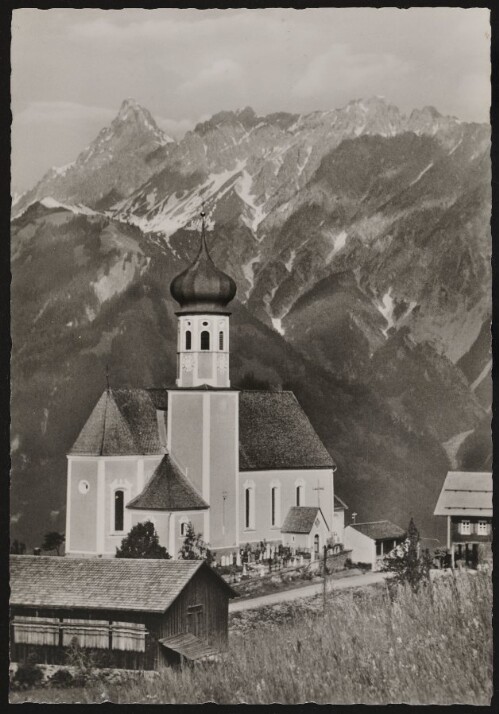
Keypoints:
(434, 646)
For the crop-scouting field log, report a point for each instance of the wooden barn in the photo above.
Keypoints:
(133, 614)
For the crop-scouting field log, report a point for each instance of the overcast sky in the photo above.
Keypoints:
(71, 69)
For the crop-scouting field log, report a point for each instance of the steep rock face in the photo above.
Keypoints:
(122, 157)
(360, 243)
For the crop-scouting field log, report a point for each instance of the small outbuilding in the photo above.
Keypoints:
(134, 614)
(305, 528)
(370, 542)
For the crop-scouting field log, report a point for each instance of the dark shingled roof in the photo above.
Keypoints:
(379, 530)
(275, 433)
(100, 583)
(122, 423)
(168, 490)
(300, 519)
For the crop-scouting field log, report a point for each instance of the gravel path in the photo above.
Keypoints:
(306, 591)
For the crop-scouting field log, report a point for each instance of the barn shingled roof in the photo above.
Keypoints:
(100, 583)
(379, 530)
(275, 433)
(300, 519)
(465, 493)
(123, 422)
(168, 490)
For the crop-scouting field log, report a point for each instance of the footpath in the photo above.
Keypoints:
(306, 591)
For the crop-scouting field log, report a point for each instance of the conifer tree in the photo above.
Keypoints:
(194, 547)
(53, 541)
(406, 562)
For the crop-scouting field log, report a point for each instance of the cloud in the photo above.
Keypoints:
(361, 73)
(176, 128)
(62, 113)
(220, 71)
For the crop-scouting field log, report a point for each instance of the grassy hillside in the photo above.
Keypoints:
(433, 647)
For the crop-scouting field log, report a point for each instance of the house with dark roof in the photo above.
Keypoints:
(131, 613)
(231, 462)
(371, 542)
(466, 502)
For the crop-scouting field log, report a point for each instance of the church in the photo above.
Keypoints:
(242, 466)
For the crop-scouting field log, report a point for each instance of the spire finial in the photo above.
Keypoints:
(107, 377)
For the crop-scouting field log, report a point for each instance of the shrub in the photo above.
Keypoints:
(61, 679)
(28, 675)
(82, 661)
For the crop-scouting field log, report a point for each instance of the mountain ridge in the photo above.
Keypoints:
(361, 250)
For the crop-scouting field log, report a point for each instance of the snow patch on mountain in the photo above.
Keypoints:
(249, 274)
(386, 307)
(256, 212)
(119, 276)
(484, 373)
(338, 242)
(421, 174)
(49, 202)
(277, 325)
(289, 263)
(175, 212)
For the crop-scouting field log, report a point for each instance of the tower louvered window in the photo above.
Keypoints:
(220, 340)
(188, 340)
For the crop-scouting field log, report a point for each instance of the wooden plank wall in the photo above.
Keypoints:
(204, 589)
(121, 659)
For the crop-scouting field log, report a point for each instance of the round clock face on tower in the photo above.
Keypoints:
(83, 487)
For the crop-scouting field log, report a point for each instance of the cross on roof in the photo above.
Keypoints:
(107, 377)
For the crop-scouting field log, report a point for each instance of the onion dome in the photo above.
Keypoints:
(203, 288)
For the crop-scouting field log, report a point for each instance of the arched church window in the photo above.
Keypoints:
(300, 493)
(188, 340)
(205, 340)
(273, 500)
(119, 510)
(275, 504)
(184, 527)
(220, 340)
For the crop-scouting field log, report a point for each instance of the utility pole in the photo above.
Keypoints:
(324, 583)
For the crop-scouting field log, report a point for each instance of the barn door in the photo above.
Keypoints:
(196, 620)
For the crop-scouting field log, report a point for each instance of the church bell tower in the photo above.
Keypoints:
(203, 293)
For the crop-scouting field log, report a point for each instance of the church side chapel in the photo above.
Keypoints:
(237, 464)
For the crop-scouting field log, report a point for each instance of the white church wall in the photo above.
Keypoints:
(81, 508)
(288, 479)
(185, 433)
(223, 446)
